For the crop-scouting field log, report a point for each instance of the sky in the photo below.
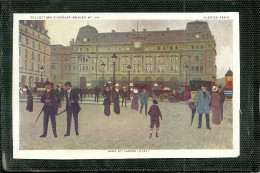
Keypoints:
(62, 31)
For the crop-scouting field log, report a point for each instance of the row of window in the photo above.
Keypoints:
(32, 55)
(38, 35)
(33, 43)
(32, 66)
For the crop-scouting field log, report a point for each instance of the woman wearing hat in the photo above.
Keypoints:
(215, 106)
(29, 106)
(135, 94)
(116, 99)
(107, 101)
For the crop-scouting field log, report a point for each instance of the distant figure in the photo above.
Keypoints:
(116, 100)
(202, 99)
(81, 94)
(97, 90)
(144, 100)
(107, 101)
(50, 109)
(29, 106)
(155, 113)
(58, 90)
(135, 94)
(62, 92)
(72, 107)
(124, 94)
(215, 106)
(222, 100)
(84, 92)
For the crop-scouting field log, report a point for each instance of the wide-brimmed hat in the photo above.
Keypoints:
(117, 85)
(25, 86)
(124, 86)
(107, 85)
(47, 83)
(214, 88)
(68, 83)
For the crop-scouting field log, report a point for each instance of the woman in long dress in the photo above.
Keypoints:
(215, 106)
(116, 99)
(135, 94)
(29, 105)
(107, 101)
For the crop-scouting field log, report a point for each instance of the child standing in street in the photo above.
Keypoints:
(155, 113)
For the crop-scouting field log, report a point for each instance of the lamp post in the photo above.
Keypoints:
(213, 81)
(41, 68)
(186, 67)
(103, 69)
(129, 70)
(114, 57)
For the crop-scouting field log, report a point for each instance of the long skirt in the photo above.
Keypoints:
(216, 115)
(116, 108)
(29, 105)
(107, 109)
(135, 105)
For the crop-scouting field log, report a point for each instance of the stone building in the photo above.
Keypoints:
(34, 52)
(60, 64)
(155, 56)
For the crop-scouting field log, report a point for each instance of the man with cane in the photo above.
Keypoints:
(51, 100)
(72, 107)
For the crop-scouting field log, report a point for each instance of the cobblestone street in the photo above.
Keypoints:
(129, 130)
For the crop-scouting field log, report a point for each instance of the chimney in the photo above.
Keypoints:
(144, 29)
(133, 30)
(71, 42)
(113, 30)
(168, 29)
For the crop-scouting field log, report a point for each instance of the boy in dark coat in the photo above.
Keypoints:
(154, 113)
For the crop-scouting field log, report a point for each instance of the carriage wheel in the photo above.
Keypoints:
(161, 97)
(171, 99)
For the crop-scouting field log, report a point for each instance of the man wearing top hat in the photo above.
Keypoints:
(58, 90)
(202, 100)
(72, 107)
(124, 94)
(51, 100)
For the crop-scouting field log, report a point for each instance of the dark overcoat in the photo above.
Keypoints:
(116, 102)
(54, 98)
(29, 105)
(74, 98)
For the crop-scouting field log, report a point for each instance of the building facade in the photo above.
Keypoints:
(60, 64)
(34, 52)
(170, 56)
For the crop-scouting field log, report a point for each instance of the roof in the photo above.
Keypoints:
(90, 34)
(229, 73)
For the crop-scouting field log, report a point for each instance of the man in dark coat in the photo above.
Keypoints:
(62, 92)
(51, 100)
(222, 100)
(81, 94)
(144, 100)
(72, 107)
(124, 94)
(29, 106)
(97, 90)
(116, 99)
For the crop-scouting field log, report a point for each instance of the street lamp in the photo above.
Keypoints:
(103, 69)
(42, 69)
(186, 67)
(114, 57)
(213, 80)
(129, 70)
